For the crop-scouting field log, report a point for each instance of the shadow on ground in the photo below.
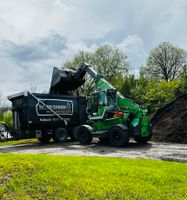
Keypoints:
(72, 146)
(152, 150)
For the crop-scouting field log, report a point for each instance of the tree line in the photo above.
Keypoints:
(160, 80)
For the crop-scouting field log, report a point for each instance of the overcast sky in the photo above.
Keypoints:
(36, 35)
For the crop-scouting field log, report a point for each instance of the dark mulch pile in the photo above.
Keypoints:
(170, 122)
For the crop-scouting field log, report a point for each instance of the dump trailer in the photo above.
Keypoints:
(112, 116)
(47, 116)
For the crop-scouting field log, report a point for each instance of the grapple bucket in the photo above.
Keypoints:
(64, 81)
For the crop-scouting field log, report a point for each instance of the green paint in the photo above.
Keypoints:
(140, 121)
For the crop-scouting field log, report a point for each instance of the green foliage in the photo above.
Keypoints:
(81, 56)
(127, 86)
(107, 60)
(183, 86)
(159, 93)
(7, 118)
(152, 94)
(59, 177)
(6, 115)
(117, 82)
(165, 62)
(110, 62)
(16, 142)
(161, 80)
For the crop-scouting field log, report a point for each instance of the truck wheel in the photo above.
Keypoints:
(118, 137)
(84, 135)
(2, 138)
(60, 135)
(45, 137)
(142, 140)
(73, 134)
(104, 138)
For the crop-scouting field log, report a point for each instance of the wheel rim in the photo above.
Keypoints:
(83, 135)
(116, 136)
(62, 135)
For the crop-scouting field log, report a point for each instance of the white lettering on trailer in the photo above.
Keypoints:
(66, 109)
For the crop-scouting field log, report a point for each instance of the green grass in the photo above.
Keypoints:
(68, 177)
(15, 142)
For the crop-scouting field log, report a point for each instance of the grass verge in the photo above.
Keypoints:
(68, 177)
(15, 142)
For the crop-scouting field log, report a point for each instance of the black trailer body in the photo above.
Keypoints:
(47, 115)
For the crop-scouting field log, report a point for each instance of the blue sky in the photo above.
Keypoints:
(36, 35)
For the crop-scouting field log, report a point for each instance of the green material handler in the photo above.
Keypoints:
(112, 117)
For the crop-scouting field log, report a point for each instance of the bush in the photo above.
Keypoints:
(7, 119)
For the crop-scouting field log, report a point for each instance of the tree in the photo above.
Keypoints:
(110, 62)
(128, 85)
(81, 56)
(7, 119)
(184, 79)
(154, 94)
(107, 60)
(183, 85)
(5, 114)
(165, 62)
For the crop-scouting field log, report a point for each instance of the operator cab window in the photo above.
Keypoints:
(102, 99)
(111, 96)
(94, 103)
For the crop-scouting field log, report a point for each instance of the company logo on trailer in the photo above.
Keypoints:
(60, 107)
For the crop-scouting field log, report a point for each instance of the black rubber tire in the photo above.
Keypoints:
(104, 139)
(84, 135)
(2, 138)
(45, 137)
(142, 140)
(74, 133)
(60, 135)
(118, 137)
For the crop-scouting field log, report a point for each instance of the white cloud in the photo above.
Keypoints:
(134, 47)
(74, 46)
(153, 21)
(31, 63)
(36, 35)
(22, 20)
(63, 5)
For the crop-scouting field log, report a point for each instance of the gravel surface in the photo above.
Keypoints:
(158, 151)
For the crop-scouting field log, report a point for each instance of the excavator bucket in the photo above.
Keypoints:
(64, 81)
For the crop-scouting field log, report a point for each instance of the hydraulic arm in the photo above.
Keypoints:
(102, 84)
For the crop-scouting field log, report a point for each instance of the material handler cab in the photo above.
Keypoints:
(101, 103)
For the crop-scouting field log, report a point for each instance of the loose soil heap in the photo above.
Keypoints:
(170, 122)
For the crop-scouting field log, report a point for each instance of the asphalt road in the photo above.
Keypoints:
(158, 151)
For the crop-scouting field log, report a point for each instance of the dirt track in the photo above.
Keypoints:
(161, 151)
